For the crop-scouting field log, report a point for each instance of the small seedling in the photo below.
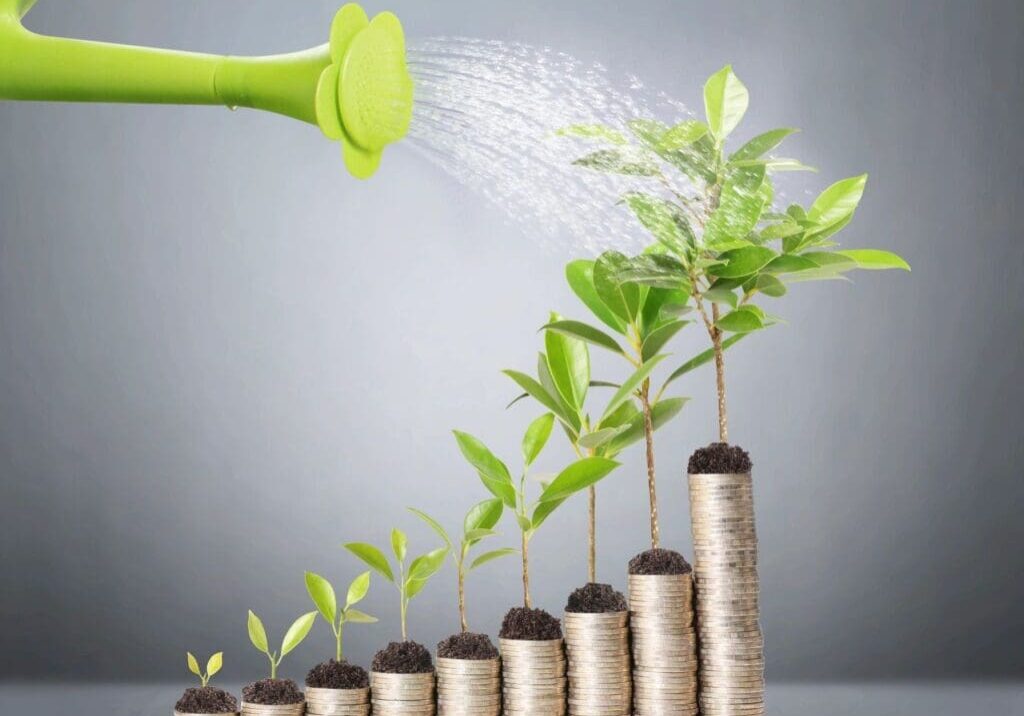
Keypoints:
(292, 638)
(323, 596)
(478, 524)
(530, 516)
(409, 581)
(213, 665)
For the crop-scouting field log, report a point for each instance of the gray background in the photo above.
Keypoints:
(221, 357)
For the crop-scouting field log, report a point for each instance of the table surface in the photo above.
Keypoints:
(874, 699)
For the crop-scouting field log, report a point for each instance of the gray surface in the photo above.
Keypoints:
(220, 357)
(783, 699)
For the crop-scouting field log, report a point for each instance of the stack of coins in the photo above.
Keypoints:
(664, 644)
(533, 674)
(468, 687)
(337, 702)
(402, 694)
(597, 646)
(725, 547)
(249, 709)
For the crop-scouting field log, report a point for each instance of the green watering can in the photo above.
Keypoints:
(356, 88)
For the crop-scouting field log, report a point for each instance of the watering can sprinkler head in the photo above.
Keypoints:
(356, 88)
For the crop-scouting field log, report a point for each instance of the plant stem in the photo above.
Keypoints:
(527, 602)
(592, 535)
(652, 492)
(339, 634)
(273, 666)
(402, 600)
(462, 596)
(716, 342)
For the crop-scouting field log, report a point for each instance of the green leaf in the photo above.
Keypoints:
(297, 632)
(631, 385)
(838, 201)
(761, 144)
(414, 587)
(666, 221)
(491, 556)
(474, 536)
(426, 565)
(701, 359)
(357, 617)
(789, 263)
(322, 594)
(483, 516)
(492, 471)
(432, 524)
(648, 131)
(682, 135)
(399, 542)
(193, 665)
(659, 337)
(623, 299)
(619, 161)
(569, 363)
(594, 440)
(585, 332)
(567, 414)
(661, 412)
(769, 285)
(357, 589)
(592, 131)
(580, 275)
(741, 320)
(540, 513)
(722, 294)
(655, 271)
(214, 664)
(875, 259)
(373, 558)
(725, 102)
(831, 261)
(524, 524)
(696, 161)
(257, 634)
(620, 416)
(578, 476)
(739, 207)
(536, 437)
(541, 395)
(743, 262)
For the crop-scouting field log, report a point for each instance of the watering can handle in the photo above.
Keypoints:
(43, 68)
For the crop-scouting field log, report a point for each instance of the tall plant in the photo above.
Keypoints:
(292, 638)
(562, 382)
(478, 525)
(322, 593)
(717, 233)
(530, 515)
(409, 581)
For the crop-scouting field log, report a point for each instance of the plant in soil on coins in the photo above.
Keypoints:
(213, 665)
(322, 593)
(292, 638)
(718, 235)
(496, 477)
(564, 376)
(478, 525)
(409, 581)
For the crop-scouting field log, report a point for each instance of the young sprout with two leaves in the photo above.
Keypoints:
(409, 581)
(531, 515)
(322, 593)
(292, 638)
(478, 525)
(717, 234)
(213, 665)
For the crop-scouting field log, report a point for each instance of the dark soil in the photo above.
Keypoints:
(206, 700)
(530, 625)
(720, 459)
(337, 675)
(596, 599)
(272, 692)
(467, 646)
(659, 561)
(403, 657)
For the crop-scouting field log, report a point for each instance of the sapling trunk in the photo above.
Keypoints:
(462, 598)
(592, 536)
(645, 400)
(527, 602)
(716, 342)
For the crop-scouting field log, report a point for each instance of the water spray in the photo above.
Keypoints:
(356, 88)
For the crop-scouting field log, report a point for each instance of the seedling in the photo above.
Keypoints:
(530, 516)
(409, 581)
(323, 596)
(478, 525)
(213, 665)
(719, 242)
(292, 638)
(563, 379)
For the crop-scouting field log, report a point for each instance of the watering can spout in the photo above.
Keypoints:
(356, 88)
